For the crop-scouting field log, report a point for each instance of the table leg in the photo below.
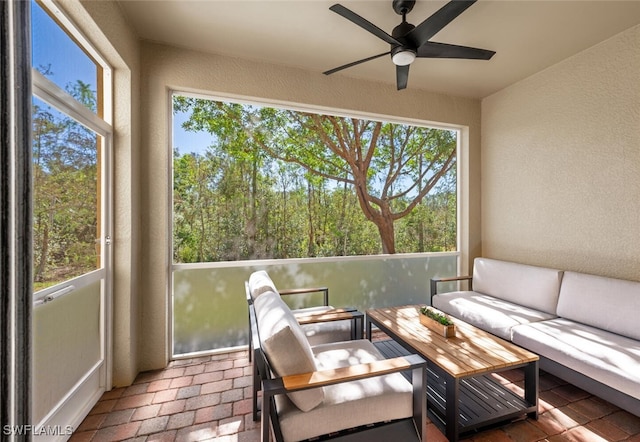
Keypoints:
(452, 408)
(368, 325)
(354, 329)
(531, 380)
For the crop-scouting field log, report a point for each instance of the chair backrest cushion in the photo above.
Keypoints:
(285, 346)
(530, 286)
(607, 303)
(260, 282)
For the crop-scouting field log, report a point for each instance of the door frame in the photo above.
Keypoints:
(78, 401)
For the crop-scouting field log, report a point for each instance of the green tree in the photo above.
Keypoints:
(65, 192)
(390, 167)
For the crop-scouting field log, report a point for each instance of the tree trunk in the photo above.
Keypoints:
(311, 240)
(44, 251)
(384, 222)
(252, 225)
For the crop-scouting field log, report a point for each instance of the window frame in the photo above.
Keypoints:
(462, 142)
(101, 123)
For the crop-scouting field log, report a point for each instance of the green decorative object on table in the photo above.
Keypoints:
(437, 321)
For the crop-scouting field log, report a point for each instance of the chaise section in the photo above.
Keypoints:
(606, 357)
(597, 337)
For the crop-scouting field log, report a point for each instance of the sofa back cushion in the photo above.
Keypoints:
(260, 282)
(534, 287)
(286, 346)
(607, 303)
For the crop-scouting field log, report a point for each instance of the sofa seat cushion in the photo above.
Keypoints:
(491, 314)
(609, 358)
(349, 404)
(534, 287)
(607, 303)
(285, 345)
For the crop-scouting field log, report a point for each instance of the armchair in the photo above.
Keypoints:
(320, 324)
(341, 391)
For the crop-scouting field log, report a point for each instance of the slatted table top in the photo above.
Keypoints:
(471, 352)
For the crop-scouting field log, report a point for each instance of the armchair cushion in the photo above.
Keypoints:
(350, 404)
(260, 282)
(319, 333)
(286, 346)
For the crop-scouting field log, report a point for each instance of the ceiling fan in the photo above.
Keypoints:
(408, 41)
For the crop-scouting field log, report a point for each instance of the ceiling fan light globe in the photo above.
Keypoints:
(403, 58)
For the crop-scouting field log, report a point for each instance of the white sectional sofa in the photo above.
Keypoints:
(585, 328)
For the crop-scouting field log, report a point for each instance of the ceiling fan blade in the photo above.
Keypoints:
(348, 65)
(363, 23)
(432, 25)
(432, 49)
(402, 76)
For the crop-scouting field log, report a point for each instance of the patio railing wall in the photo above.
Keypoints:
(210, 309)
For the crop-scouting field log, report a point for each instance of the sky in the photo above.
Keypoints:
(188, 142)
(52, 47)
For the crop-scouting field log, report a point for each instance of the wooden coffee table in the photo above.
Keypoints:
(461, 394)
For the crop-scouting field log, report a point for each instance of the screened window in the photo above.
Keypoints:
(59, 58)
(254, 182)
(65, 209)
(69, 140)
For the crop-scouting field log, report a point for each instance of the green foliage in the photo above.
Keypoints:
(435, 315)
(65, 203)
(275, 183)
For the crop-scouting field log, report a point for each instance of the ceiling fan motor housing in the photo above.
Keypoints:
(403, 6)
(400, 31)
(404, 54)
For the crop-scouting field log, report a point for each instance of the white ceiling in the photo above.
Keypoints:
(528, 36)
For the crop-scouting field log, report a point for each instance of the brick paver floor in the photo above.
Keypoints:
(208, 398)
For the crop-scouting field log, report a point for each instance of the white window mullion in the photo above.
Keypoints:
(49, 92)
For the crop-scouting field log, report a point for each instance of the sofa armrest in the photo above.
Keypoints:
(305, 290)
(336, 314)
(435, 281)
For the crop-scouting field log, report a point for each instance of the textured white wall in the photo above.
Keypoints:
(166, 68)
(120, 46)
(561, 164)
